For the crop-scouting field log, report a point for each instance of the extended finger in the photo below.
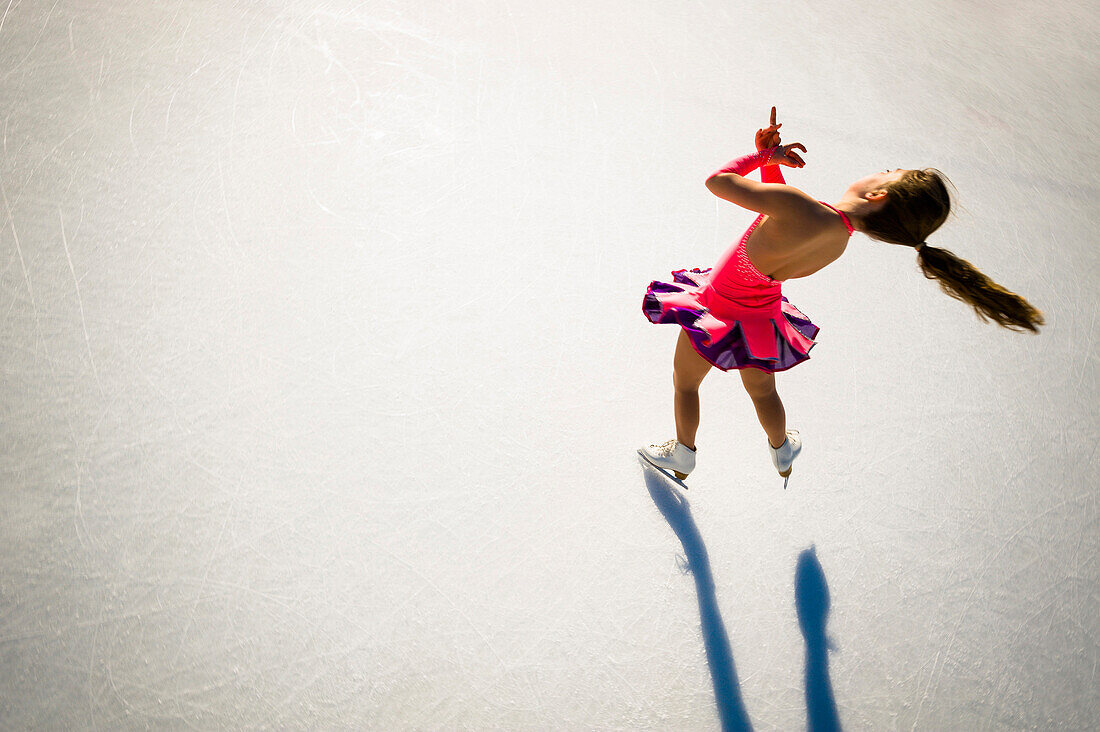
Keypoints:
(795, 157)
(797, 145)
(773, 116)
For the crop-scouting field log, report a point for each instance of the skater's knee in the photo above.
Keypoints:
(758, 392)
(761, 393)
(758, 384)
(688, 367)
(683, 384)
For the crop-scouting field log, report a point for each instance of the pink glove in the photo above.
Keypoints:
(771, 174)
(744, 165)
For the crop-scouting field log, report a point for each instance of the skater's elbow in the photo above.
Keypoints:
(715, 182)
(765, 198)
(726, 186)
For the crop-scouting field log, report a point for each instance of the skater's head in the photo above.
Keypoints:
(902, 206)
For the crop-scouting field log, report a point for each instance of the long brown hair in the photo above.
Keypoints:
(916, 205)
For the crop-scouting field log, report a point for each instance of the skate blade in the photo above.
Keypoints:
(674, 475)
(786, 476)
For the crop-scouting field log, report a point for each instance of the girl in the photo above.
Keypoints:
(734, 316)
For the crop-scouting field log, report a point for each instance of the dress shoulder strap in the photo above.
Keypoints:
(843, 217)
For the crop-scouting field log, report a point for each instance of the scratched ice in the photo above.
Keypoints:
(324, 368)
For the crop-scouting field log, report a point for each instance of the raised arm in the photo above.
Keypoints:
(772, 174)
(765, 138)
(731, 184)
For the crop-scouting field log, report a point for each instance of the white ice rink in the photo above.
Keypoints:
(324, 367)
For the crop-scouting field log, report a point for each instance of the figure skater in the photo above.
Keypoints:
(734, 316)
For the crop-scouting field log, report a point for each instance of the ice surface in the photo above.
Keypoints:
(324, 370)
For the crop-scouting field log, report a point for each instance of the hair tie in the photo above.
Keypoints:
(920, 246)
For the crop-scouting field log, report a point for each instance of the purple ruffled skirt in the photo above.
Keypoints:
(757, 328)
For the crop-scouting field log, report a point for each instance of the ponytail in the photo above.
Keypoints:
(962, 281)
(917, 205)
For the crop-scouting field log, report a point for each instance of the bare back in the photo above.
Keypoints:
(798, 245)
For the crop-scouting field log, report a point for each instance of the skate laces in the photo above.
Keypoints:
(787, 441)
(664, 449)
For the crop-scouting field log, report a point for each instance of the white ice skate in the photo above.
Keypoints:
(673, 458)
(784, 455)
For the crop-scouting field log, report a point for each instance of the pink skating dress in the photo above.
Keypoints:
(736, 316)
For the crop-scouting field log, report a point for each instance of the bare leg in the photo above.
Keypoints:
(689, 368)
(769, 407)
